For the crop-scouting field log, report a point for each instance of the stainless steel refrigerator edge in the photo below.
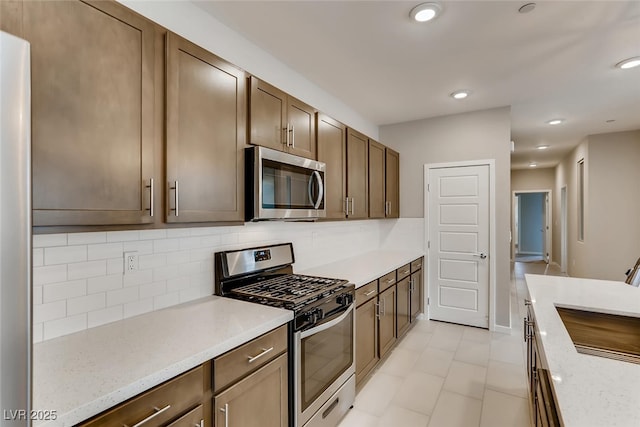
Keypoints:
(15, 231)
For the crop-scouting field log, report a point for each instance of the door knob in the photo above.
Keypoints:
(481, 255)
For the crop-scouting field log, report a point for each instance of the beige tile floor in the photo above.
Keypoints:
(446, 375)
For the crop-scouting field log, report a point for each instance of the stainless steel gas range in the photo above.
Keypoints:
(321, 336)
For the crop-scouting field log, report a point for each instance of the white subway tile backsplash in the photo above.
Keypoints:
(48, 240)
(65, 254)
(138, 307)
(65, 326)
(175, 265)
(107, 315)
(83, 270)
(49, 311)
(65, 290)
(86, 304)
(121, 296)
(136, 278)
(124, 236)
(87, 238)
(49, 274)
(153, 234)
(105, 251)
(153, 289)
(104, 283)
(37, 257)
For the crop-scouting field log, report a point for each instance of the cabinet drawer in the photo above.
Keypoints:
(239, 362)
(416, 265)
(193, 418)
(366, 292)
(404, 271)
(387, 280)
(171, 399)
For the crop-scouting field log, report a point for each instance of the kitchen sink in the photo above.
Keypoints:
(607, 335)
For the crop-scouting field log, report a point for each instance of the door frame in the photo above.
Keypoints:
(548, 234)
(563, 230)
(492, 230)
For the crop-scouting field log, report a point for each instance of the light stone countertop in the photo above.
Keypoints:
(591, 391)
(82, 374)
(366, 267)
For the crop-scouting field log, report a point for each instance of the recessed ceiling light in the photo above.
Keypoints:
(532, 165)
(460, 94)
(526, 8)
(425, 12)
(555, 122)
(542, 147)
(629, 63)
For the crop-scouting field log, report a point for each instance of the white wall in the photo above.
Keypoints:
(189, 21)
(478, 135)
(612, 201)
(533, 179)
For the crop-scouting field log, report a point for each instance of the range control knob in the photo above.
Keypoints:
(344, 299)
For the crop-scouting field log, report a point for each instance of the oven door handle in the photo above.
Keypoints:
(327, 325)
(316, 203)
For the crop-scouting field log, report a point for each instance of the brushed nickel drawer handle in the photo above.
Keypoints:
(406, 272)
(391, 280)
(264, 351)
(152, 416)
(151, 202)
(371, 292)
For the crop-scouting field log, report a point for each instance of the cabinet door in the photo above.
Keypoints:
(392, 184)
(377, 207)
(267, 115)
(357, 174)
(387, 322)
(92, 94)
(205, 135)
(259, 400)
(301, 121)
(366, 338)
(404, 304)
(332, 150)
(416, 294)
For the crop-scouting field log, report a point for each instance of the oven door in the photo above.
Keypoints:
(324, 359)
(286, 186)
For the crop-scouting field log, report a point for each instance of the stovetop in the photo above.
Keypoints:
(291, 290)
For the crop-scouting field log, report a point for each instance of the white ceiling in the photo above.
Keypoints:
(556, 61)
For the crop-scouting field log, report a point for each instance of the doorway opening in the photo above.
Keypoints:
(532, 226)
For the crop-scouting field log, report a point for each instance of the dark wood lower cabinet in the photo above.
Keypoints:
(404, 305)
(259, 400)
(415, 298)
(387, 321)
(366, 338)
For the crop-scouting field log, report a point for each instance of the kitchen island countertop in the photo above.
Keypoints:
(82, 374)
(590, 390)
(364, 268)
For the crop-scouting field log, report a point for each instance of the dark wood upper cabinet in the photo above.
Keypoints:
(92, 94)
(377, 202)
(357, 175)
(280, 121)
(332, 150)
(392, 185)
(205, 131)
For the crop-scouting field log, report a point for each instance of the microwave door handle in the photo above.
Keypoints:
(320, 189)
(327, 325)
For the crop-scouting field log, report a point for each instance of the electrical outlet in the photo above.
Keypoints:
(130, 262)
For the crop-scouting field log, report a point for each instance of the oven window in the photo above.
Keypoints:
(324, 357)
(288, 187)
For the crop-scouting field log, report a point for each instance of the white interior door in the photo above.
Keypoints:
(458, 247)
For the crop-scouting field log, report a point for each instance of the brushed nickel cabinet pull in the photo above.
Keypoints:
(285, 139)
(264, 351)
(371, 292)
(353, 206)
(346, 206)
(225, 411)
(150, 187)
(176, 190)
(157, 412)
(377, 305)
(293, 137)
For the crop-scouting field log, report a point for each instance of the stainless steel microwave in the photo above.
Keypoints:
(283, 186)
